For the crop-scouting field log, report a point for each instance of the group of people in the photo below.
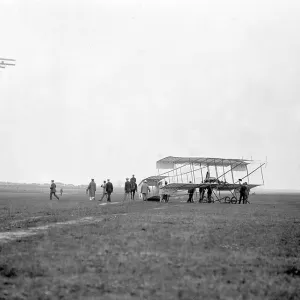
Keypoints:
(107, 189)
(130, 188)
(243, 189)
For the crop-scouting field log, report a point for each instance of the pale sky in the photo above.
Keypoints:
(103, 89)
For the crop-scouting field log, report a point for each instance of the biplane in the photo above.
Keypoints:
(177, 175)
(7, 62)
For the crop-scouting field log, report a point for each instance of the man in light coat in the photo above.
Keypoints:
(144, 190)
(104, 193)
(92, 190)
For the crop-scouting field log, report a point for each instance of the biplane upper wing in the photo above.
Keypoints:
(153, 180)
(170, 162)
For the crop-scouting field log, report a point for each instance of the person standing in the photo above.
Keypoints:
(209, 193)
(61, 191)
(247, 193)
(92, 190)
(191, 193)
(109, 190)
(243, 193)
(201, 193)
(133, 187)
(127, 190)
(132, 179)
(144, 190)
(53, 190)
(104, 193)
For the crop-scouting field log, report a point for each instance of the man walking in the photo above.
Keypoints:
(53, 190)
(127, 189)
(61, 191)
(109, 190)
(104, 193)
(144, 190)
(92, 190)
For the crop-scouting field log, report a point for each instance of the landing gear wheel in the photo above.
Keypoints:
(233, 200)
(227, 200)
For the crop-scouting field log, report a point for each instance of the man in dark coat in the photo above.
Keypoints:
(109, 190)
(201, 194)
(243, 193)
(92, 190)
(53, 190)
(132, 179)
(127, 189)
(191, 193)
(133, 187)
(209, 193)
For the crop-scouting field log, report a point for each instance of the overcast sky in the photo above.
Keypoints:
(105, 88)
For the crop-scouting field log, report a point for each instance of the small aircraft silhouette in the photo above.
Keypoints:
(7, 62)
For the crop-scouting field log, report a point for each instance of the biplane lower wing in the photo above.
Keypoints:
(220, 187)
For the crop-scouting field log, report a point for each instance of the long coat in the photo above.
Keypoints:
(145, 188)
(92, 189)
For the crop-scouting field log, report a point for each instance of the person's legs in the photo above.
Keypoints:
(208, 197)
(244, 199)
(133, 194)
(189, 199)
(51, 195)
(108, 197)
(56, 196)
(144, 196)
(240, 199)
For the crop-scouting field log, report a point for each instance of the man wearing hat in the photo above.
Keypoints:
(109, 190)
(127, 189)
(53, 190)
(243, 193)
(144, 190)
(92, 190)
(132, 180)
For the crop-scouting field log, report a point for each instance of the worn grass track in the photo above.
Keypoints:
(183, 251)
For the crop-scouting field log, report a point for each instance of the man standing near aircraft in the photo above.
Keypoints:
(243, 193)
(109, 190)
(201, 193)
(53, 190)
(191, 193)
(92, 190)
(144, 190)
(209, 193)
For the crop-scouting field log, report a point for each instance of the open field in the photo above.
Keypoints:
(148, 250)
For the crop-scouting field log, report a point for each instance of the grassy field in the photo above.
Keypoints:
(148, 250)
